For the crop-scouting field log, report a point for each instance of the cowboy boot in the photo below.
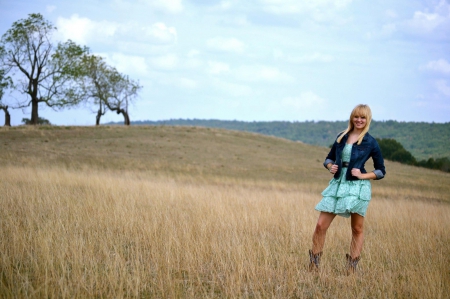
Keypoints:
(352, 263)
(314, 260)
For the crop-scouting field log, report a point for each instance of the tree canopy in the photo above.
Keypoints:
(106, 87)
(41, 70)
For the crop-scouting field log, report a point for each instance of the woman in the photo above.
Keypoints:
(349, 192)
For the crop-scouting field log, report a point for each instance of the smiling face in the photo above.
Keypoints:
(359, 122)
(360, 118)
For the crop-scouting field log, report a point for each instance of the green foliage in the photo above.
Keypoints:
(40, 70)
(106, 87)
(23, 30)
(5, 83)
(394, 151)
(439, 163)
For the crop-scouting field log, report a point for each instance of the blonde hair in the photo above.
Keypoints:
(360, 110)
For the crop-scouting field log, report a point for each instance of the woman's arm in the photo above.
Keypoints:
(331, 157)
(378, 162)
(363, 176)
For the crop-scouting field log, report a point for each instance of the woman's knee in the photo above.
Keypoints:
(357, 224)
(357, 229)
(321, 226)
(324, 222)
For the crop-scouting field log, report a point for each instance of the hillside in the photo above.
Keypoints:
(423, 140)
(196, 151)
(162, 149)
(190, 212)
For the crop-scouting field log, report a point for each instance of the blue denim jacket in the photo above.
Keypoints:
(360, 154)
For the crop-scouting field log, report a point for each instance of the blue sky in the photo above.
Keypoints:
(259, 60)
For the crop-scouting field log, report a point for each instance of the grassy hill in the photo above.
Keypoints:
(163, 149)
(190, 212)
(193, 151)
(423, 140)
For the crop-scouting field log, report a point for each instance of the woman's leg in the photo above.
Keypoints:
(320, 232)
(356, 245)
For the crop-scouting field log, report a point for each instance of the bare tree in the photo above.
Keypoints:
(42, 71)
(124, 90)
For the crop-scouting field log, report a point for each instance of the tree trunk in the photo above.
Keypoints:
(7, 116)
(126, 118)
(34, 112)
(97, 118)
(7, 119)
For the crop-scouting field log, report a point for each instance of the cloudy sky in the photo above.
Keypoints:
(258, 60)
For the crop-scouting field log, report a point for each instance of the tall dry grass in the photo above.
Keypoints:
(79, 234)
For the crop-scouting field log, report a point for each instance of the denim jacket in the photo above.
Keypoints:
(360, 154)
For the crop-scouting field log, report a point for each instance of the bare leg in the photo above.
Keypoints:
(356, 245)
(320, 232)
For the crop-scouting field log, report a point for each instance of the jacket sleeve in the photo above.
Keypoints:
(378, 162)
(331, 157)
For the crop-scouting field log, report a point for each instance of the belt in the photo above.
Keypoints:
(345, 164)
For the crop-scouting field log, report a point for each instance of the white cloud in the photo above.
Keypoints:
(390, 13)
(306, 100)
(314, 57)
(193, 53)
(443, 87)
(385, 31)
(193, 63)
(255, 73)
(440, 65)
(187, 83)
(222, 6)
(84, 30)
(232, 89)
(233, 20)
(165, 62)
(388, 29)
(296, 6)
(425, 22)
(431, 20)
(225, 44)
(159, 32)
(216, 68)
(170, 6)
(193, 60)
(50, 8)
(128, 64)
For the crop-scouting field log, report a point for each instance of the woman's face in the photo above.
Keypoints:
(359, 122)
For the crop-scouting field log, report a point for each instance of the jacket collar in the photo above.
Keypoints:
(365, 138)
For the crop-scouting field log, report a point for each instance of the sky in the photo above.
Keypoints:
(258, 60)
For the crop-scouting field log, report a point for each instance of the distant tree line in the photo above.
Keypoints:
(59, 76)
(394, 151)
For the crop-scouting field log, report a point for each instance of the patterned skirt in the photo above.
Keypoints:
(343, 197)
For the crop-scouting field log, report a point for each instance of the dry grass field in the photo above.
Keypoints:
(165, 212)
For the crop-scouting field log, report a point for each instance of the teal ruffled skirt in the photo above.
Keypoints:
(343, 197)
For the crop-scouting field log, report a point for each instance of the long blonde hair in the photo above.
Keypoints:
(360, 110)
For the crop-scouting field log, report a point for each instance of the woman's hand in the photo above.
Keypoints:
(363, 176)
(357, 173)
(334, 168)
